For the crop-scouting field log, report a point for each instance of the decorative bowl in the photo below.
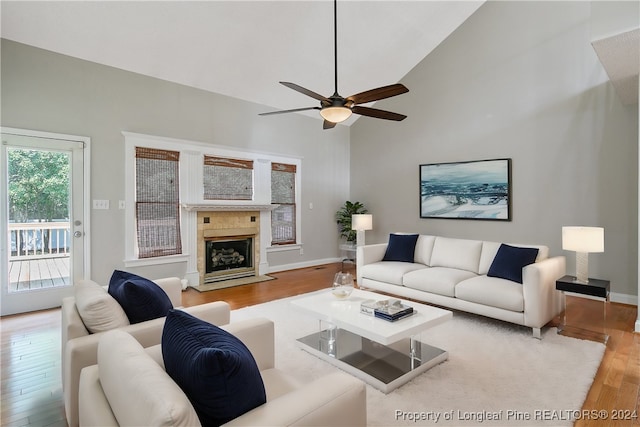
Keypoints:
(342, 285)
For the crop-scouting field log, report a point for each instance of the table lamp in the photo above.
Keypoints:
(360, 223)
(583, 240)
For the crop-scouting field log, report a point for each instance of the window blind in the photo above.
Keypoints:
(283, 193)
(157, 202)
(227, 179)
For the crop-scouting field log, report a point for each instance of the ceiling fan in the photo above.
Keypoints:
(336, 109)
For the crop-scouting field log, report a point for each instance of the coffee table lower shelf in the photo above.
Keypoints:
(384, 367)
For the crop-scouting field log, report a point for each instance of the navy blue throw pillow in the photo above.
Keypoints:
(140, 298)
(510, 260)
(215, 369)
(401, 247)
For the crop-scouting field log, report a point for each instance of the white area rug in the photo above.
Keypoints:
(495, 370)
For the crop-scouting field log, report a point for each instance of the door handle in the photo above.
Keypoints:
(77, 234)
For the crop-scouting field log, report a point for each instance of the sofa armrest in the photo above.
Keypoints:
(217, 313)
(258, 335)
(95, 410)
(72, 326)
(541, 299)
(173, 287)
(337, 399)
(368, 254)
(82, 351)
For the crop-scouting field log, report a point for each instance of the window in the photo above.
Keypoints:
(283, 193)
(157, 202)
(227, 179)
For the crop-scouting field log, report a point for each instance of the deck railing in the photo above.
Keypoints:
(30, 240)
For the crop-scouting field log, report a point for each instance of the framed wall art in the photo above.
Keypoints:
(479, 189)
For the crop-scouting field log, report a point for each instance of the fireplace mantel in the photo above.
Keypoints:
(235, 207)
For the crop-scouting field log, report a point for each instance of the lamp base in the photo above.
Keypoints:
(582, 267)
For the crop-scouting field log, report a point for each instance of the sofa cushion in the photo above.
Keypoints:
(214, 368)
(401, 247)
(493, 292)
(489, 251)
(278, 383)
(424, 249)
(140, 298)
(139, 391)
(456, 253)
(436, 280)
(98, 310)
(389, 271)
(510, 260)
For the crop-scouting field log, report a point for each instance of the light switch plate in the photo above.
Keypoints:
(101, 204)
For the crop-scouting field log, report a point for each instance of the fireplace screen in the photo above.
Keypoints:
(228, 258)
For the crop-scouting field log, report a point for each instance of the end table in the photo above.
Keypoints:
(594, 289)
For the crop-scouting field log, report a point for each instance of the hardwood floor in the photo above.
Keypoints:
(31, 392)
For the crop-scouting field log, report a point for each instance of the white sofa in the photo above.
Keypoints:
(111, 396)
(79, 346)
(452, 273)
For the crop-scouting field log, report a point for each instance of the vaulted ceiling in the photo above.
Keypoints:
(243, 48)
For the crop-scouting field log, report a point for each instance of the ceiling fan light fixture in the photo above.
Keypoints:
(335, 114)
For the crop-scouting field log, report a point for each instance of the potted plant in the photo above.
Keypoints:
(343, 218)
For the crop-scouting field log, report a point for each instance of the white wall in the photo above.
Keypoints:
(517, 80)
(45, 91)
(610, 18)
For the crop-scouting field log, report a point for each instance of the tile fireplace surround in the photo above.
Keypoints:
(226, 224)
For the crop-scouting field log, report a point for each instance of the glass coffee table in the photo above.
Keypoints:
(382, 353)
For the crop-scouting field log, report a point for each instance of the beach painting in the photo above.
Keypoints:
(478, 189)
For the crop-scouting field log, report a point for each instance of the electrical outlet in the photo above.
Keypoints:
(100, 204)
(120, 204)
(301, 251)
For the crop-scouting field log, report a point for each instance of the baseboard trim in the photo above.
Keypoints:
(623, 298)
(294, 266)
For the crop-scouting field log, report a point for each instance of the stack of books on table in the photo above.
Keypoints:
(390, 310)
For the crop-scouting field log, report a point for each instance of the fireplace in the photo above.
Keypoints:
(229, 257)
(228, 246)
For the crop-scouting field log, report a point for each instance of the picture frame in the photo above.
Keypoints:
(476, 189)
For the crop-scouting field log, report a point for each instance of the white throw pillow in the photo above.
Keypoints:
(99, 311)
(139, 391)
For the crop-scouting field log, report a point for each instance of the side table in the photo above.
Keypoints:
(348, 254)
(595, 289)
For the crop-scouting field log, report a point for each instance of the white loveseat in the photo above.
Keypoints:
(129, 386)
(80, 347)
(453, 273)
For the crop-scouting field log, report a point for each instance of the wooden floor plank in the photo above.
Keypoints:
(38, 272)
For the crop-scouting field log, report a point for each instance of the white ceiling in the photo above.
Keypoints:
(244, 48)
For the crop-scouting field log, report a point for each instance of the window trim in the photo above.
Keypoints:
(192, 153)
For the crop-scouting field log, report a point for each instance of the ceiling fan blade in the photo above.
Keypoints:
(289, 111)
(328, 125)
(378, 93)
(305, 91)
(378, 114)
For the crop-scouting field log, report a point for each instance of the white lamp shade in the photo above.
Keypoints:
(362, 222)
(583, 239)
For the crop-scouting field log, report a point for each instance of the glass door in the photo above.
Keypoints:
(43, 218)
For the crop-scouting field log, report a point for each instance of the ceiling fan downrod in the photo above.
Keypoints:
(335, 108)
(335, 46)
